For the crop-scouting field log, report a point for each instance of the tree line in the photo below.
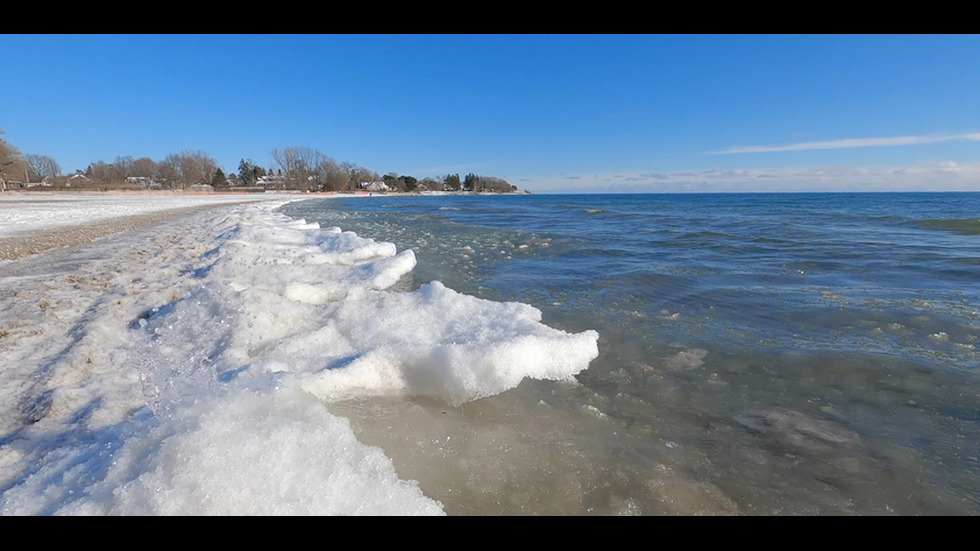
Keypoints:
(31, 167)
(478, 184)
(294, 168)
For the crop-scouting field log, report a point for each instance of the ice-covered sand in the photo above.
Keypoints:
(32, 223)
(186, 367)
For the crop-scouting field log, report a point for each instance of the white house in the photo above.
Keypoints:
(374, 186)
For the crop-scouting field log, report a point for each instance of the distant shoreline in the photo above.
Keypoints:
(269, 193)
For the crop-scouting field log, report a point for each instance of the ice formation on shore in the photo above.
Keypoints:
(194, 380)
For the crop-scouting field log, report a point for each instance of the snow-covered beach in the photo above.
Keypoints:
(185, 365)
(31, 223)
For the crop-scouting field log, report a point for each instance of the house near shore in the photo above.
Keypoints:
(144, 182)
(270, 181)
(374, 186)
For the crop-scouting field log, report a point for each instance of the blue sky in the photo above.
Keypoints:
(548, 113)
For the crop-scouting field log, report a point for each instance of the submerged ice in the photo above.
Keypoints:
(273, 317)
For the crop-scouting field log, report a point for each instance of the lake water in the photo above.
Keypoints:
(758, 353)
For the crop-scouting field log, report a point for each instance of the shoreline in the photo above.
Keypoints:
(47, 236)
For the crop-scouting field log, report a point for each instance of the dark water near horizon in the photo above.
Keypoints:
(759, 353)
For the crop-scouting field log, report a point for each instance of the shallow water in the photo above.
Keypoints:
(759, 353)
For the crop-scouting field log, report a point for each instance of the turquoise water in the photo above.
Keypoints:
(759, 353)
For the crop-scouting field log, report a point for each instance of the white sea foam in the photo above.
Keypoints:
(194, 380)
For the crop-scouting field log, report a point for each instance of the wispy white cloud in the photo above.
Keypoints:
(847, 143)
(934, 176)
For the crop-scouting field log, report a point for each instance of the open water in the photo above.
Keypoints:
(758, 353)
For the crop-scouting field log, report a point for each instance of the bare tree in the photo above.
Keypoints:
(315, 165)
(168, 172)
(357, 175)
(351, 170)
(197, 167)
(334, 178)
(104, 174)
(288, 160)
(124, 165)
(144, 167)
(41, 167)
(207, 166)
(9, 158)
(304, 168)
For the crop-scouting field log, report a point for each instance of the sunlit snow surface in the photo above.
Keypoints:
(21, 214)
(186, 368)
